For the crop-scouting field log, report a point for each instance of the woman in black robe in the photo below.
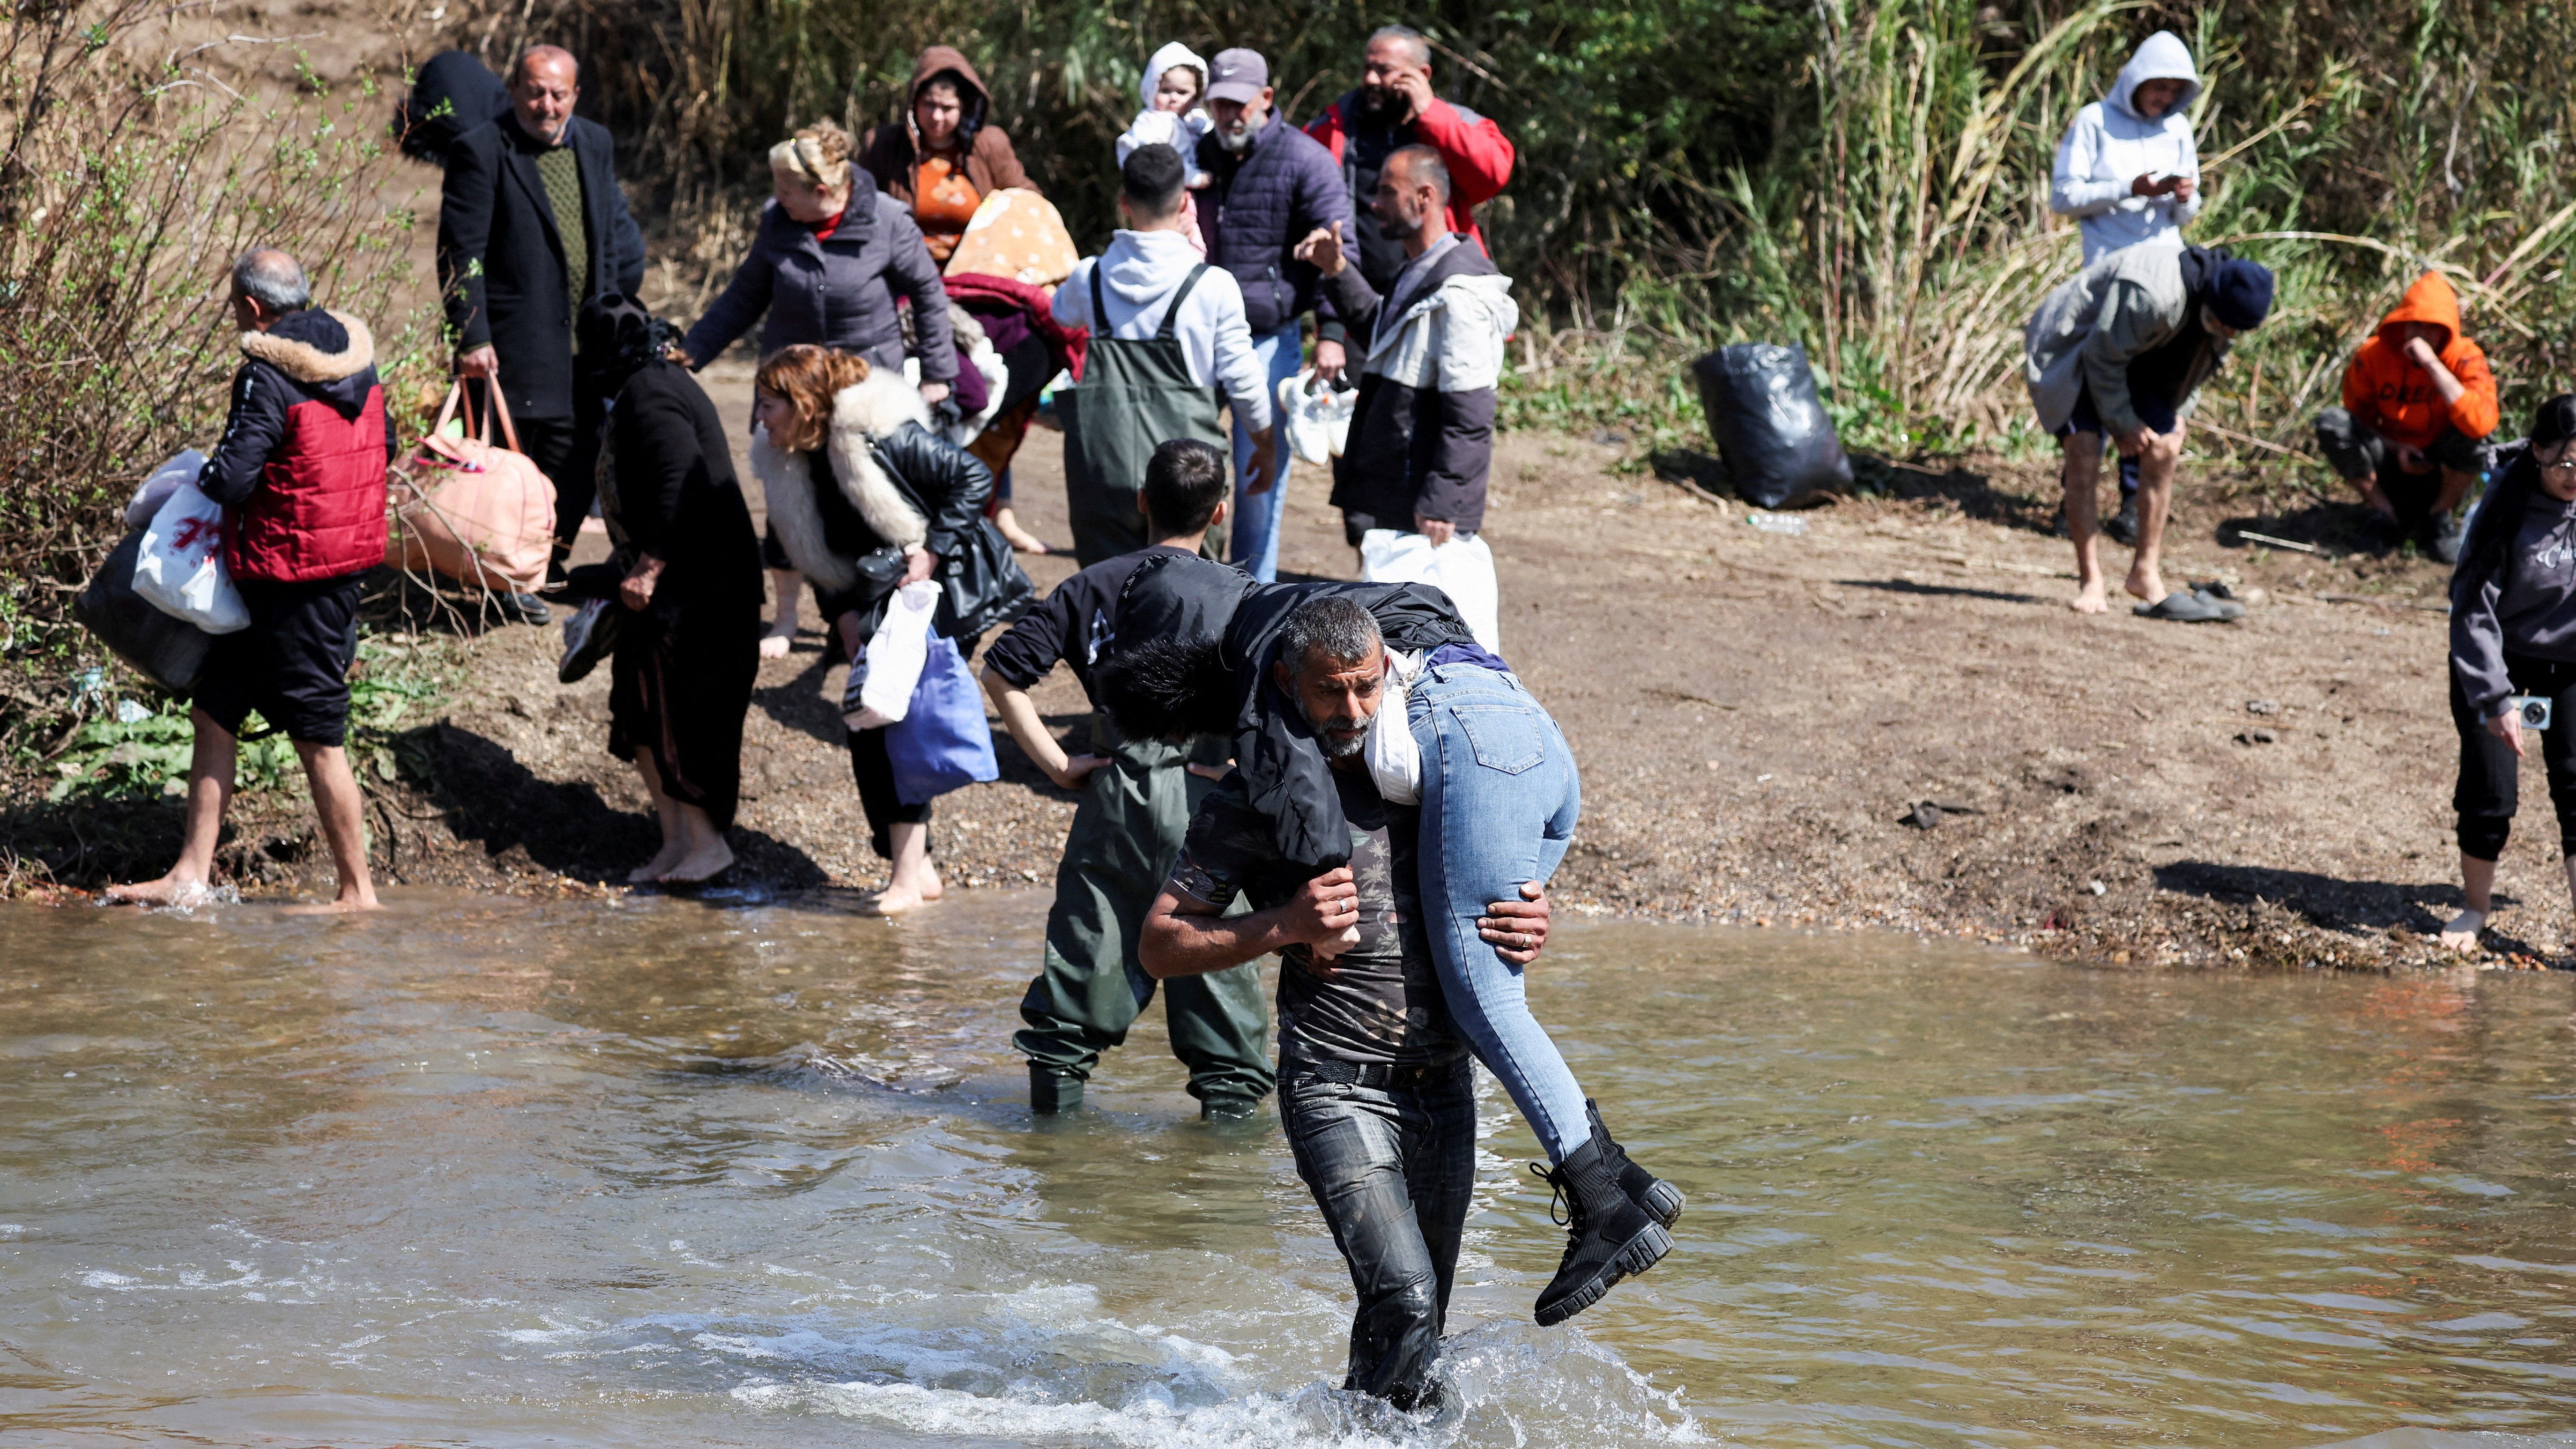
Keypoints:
(687, 650)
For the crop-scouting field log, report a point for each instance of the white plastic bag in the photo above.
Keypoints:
(890, 667)
(1316, 417)
(180, 570)
(1462, 568)
(1394, 760)
(156, 490)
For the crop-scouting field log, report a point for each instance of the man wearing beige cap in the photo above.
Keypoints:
(1270, 185)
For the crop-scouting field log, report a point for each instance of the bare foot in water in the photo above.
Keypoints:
(2088, 599)
(700, 865)
(894, 900)
(664, 861)
(170, 890)
(2462, 933)
(342, 906)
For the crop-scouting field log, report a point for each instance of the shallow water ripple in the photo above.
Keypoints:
(495, 1172)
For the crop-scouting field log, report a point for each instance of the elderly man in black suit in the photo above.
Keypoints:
(531, 226)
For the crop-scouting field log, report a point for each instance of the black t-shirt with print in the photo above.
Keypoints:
(1380, 1001)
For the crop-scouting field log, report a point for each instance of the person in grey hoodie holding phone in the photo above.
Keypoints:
(2128, 172)
(2513, 641)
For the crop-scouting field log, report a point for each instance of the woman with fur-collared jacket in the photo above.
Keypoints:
(865, 498)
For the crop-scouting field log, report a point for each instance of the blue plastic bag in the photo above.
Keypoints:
(942, 742)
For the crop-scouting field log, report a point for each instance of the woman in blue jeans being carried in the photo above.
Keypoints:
(1199, 653)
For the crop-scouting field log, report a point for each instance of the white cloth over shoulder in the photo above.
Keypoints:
(2110, 146)
(1394, 758)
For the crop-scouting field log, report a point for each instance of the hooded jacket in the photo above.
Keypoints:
(894, 149)
(2526, 600)
(1144, 268)
(839, 292)
(912, 488)
(2394, 398)
(1152, 127)
(1257, 207)
(301, 465)
(1183, 596)
(2091, 326)
(1478, 154)
(2110, 145)
(1422, 428)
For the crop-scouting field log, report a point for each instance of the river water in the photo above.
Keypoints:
(498, 1172)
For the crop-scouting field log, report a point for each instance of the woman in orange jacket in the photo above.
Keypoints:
(2418, 404)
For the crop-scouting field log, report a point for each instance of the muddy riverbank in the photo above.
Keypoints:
(1759, 717)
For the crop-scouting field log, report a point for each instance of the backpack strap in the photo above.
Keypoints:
(1099, 309)
(1172, 313)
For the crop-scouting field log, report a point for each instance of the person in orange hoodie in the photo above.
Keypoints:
(2418, 404)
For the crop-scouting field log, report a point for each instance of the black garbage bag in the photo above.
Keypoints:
(1779, 446)
(169, 651)
(453, 93)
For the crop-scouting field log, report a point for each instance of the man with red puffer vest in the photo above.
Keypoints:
(2418, 404)
(301, 474)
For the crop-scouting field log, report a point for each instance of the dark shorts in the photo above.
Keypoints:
(2153, 408)
(291, 664)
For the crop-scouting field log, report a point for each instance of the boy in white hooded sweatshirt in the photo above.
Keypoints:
(1174, 86)
(1142, 276)
(2128, 171)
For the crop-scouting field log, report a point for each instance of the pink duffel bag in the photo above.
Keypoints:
(479, 512)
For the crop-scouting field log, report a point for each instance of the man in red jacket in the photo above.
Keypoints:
(1392, 109)
(301, 474)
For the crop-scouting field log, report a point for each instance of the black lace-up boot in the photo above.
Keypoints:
(1608, 1236)
(1661, 1200)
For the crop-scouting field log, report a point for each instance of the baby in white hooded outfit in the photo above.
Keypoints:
(1175, 83)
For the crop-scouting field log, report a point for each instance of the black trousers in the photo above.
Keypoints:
(2490, 775)
(874, 772)
(566, 450)
(1393, 1168)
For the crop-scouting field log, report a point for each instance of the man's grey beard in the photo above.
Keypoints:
(1335, 746)
(1237, 142)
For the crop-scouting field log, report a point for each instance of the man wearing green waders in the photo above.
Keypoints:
(1167, 335)
(1137, 798)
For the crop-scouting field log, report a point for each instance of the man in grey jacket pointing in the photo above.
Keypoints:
(1431, 355)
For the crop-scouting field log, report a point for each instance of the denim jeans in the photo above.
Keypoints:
(1393, 1168)
(1499, 800)
(1255, 546)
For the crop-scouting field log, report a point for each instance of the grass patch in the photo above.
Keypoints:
(131, 749)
